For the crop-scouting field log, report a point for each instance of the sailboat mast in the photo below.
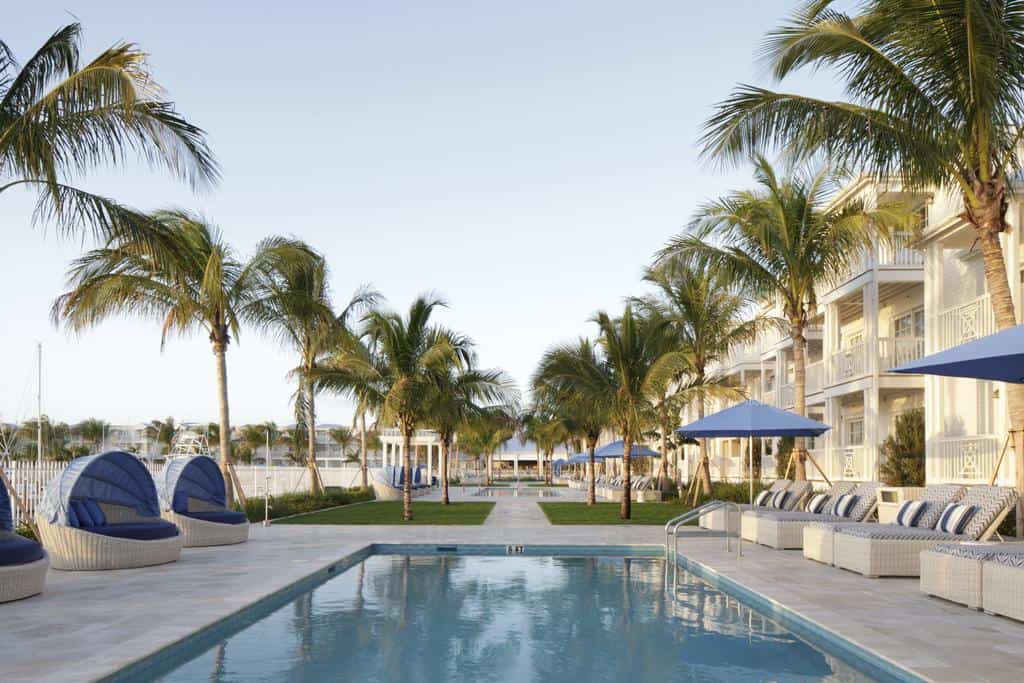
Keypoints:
(39, 402)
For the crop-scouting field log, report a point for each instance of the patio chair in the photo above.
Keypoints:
(193, 497)
(726, 519)
(103, 512)
(23, 562)
(819, 536)
(954, 572)
(894, 550)
(784, 529)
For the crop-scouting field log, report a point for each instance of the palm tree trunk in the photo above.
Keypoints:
(407, 479)
(663, 469)
(445, 447)
(362, 448)
(626, 509)
(316, 486)
(592, 484)
(704, 465)
(799, 396)
(220, 354)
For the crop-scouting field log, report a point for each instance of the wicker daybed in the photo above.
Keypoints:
(726, 519)
(784, 529)
(194, 498)
(23, 562)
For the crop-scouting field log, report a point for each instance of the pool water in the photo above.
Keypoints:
(464, 618)
(526, 491)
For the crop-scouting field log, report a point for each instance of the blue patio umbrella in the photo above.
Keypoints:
(615, 450)
(752, 419)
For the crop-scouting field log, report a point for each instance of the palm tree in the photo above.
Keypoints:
(185, 276)
(395, 370)
(575, 378)
(780, 242)
(162, 431)
(251, 438)
(457, 393)
(60, 119)
(640, 356)
(484, 432)
(93, 431)
(708, 315)
(344, 438)
(935, 96)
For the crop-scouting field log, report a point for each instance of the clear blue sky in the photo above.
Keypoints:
(522, 159)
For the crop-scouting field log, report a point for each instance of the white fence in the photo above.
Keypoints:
(29, 480)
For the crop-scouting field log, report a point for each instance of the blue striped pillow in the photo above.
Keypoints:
(817, 504)
(779, 500)
(910, 512)
(955, 517)
(844, 505)
(762, 499)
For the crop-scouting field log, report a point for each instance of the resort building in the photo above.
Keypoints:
(897, 302)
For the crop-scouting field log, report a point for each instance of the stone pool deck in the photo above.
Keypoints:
(90, 624)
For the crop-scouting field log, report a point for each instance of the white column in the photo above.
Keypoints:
(832, 436)
(871, 431)
(870, 312)
(933, 304)
(430, 463)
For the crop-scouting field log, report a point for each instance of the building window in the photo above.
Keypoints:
(855, 432)
(910, 324)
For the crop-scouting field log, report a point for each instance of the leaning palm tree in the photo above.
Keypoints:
(708, 315)
(194, 281)
(395, 371)
(60, 119)
(780, 242)
(934, 97)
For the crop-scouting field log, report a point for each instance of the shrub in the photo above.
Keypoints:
(904, 451)
(288, 504)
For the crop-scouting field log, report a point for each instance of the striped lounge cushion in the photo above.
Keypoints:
(955, 517)
(762, 499)
(844, 505)
(910, 512)
(817, 504)
(779, 500)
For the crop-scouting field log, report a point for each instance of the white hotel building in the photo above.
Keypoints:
(895, 304)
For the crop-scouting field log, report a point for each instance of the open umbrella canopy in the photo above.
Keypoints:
(753, 418)
(997, 357)
(614, 450)
(583, 458)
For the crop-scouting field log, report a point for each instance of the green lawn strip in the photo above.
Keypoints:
(390, 512)
(608, 513)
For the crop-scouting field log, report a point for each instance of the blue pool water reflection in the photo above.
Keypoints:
(460, 618)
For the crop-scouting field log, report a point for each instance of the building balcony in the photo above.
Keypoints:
(896, 351)
(963, 459)
(965, 322)
(896, 254)
(848, 364)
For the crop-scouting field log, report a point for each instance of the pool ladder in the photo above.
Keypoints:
(673, 525)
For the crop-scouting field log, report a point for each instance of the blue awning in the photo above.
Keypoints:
(6, 511)
(113, 477)
(197, 476)
(998, 357)
(615, 449)
(752, 418)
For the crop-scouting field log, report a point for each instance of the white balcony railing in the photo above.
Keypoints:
(848, 363)
(850, 462)
(786, 395)
(898, 252)
(896, 351)
(964, 459)
(769, 398)
(814, 377)
(966, 321)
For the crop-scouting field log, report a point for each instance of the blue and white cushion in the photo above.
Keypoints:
(910, 512)
(779, 500)
(762, 499)
(844, 505)
(817, 503)
(955, 517)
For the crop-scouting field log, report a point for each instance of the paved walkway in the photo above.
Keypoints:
(88, 624)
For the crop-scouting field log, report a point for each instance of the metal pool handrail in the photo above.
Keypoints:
(672, 526)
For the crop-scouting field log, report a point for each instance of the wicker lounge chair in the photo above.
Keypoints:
(102, 512)
(954, 571)
(819, 536)
(782, 529)
(893, 550)
(23, 563)
(193, 497)
(726, 519)
(1003, 585)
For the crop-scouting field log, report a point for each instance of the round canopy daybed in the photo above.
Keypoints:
(193, 497)
(23, 562)
(102, 512)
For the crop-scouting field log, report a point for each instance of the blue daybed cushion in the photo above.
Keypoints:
(19, 550)
(82, 513)
(220, 516)
(95, 511)
(140, 531)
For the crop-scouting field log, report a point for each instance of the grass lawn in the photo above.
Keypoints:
(608, 513)
(390, 512)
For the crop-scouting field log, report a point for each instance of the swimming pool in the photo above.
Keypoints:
(454, 617)
(526, 492)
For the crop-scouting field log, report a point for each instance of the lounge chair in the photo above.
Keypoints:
(102, 512)
(388, 483)
(23, 562)
(954, 571)
(894, 550)
(193, 497)
(726, 519)
(1003, 585)
(784, 529)
(819, 537)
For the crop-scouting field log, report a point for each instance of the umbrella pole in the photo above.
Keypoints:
(750, 470)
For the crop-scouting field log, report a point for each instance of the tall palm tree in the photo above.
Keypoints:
(781, 242)
(575, 378)
(457, 393)
(60, 119)
(162, 431)
(708, 315)
(185, 276)
(396, 369)
(484, 433)
(934, 96)
(93, 431)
